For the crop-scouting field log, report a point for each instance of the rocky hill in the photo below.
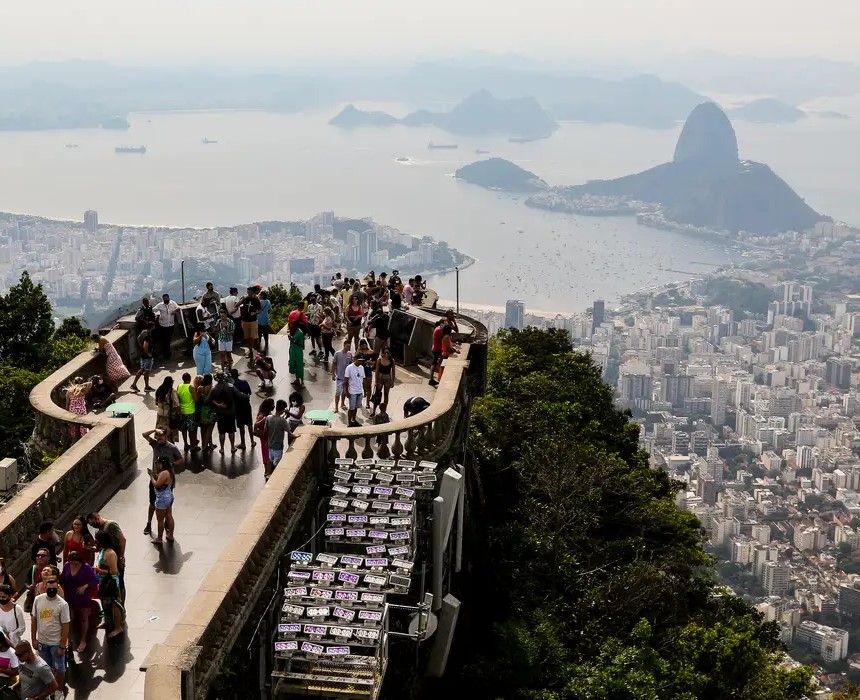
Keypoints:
(707, 185)
(500, 174)
(480, 113)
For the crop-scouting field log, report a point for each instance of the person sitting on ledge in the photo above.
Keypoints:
(101, 393)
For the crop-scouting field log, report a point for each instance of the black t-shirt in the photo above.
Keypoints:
(380, 323)
(249, 309)
(416, 404)
(395, 300)
(225, 394)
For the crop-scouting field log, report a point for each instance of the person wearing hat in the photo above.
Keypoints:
(36, 680)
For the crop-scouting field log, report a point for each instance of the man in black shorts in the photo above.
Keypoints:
(224, 399)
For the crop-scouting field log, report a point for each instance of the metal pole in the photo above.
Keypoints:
(182, 269)
(457, 271)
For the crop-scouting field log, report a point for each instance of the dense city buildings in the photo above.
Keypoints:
(90, 266)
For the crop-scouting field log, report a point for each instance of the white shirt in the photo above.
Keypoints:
(407, 294)
(354, 376)
(14, 622)
(8, 660)
(165, 313)
(49, 616)
(231, 303)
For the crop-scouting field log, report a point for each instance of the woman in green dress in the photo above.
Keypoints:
(207, 411)
(297, 354)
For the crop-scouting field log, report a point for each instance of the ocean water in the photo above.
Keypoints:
(291, 166)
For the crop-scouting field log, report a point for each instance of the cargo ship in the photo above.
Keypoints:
(130, 149)
(434, 146)
(207, 141)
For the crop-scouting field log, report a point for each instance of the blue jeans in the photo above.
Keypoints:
(49, 655)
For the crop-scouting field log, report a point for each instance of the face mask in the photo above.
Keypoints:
(52, 592)
(3, 601)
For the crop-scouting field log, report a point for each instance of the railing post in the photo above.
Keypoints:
(351, 452)
(367, 452)
(383, 450)
(397, 449)
(410, 441)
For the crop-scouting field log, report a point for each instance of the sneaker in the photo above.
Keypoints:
(147, 530)
(433, 382)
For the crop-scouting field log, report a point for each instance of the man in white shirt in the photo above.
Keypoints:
(234, 311)
(49, 628)
(166, 312)
(354, 378)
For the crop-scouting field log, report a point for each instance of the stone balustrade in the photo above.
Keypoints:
(73, 483)
(184, 666)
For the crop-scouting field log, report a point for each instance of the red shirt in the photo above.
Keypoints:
(437, 339)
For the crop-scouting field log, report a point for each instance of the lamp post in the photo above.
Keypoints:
(182, 274)
(457, 283)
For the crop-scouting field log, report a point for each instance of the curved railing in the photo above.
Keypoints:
(184, 666)
(73, 482)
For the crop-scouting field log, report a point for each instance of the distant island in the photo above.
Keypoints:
(706, 188)
(501, 174)
(480, 113)
(119, 123)
(767, 110)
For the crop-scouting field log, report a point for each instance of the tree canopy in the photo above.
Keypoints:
(593, 584)
(30, 349)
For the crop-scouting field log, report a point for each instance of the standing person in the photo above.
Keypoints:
(37, 680)
(354, 378)
(451, 320)
(118, 542)
(265, 410)
(7, 579)
(379, 324)
(327, 328)
(12, 618)
(79, 580)
(396, 300)
(367, 358)
(448, 348)
(202, 315)
(202, 351)
(144, 344)
(79, 540)
(49, 628)
(47, 540)
(145, 316)
(354, 317)
(187, 394)
(231, 304)
(163, 480)
(408, 291)
(206, 412)
(277, 428)
(166, 312)
(226, 329)
(243, 408)
(110, 585)
(436, 348)
(342, 360)
(211, 299)
(162, 448)
(76, 402)
(315, 311)
(249, 310)
(167, 416)
(8, 664)
(385, 372)
(297, 354)
(115, 369)
(224, 400)
(263, 318)
(419, 290)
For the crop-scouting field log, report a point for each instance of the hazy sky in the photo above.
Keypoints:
(172, 31)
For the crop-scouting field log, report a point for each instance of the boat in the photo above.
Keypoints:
(481, 151)
(207, 141)
(71, 145)
(522, 139)
(130, 149)
(434, 146)
(401, 159)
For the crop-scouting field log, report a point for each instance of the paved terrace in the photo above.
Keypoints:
(213, 494)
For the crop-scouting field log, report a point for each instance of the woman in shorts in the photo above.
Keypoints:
(226, 328)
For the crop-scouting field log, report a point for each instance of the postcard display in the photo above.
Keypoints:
(332, 637)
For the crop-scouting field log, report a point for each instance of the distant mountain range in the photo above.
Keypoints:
(480, 113)
(707, 185)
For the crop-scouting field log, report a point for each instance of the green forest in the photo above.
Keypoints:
(587, 582)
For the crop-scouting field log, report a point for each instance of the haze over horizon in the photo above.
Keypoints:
(270, 32)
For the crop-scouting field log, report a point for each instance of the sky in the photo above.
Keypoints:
(271, 31)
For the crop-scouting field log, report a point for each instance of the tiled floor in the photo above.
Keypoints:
(212, 494)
